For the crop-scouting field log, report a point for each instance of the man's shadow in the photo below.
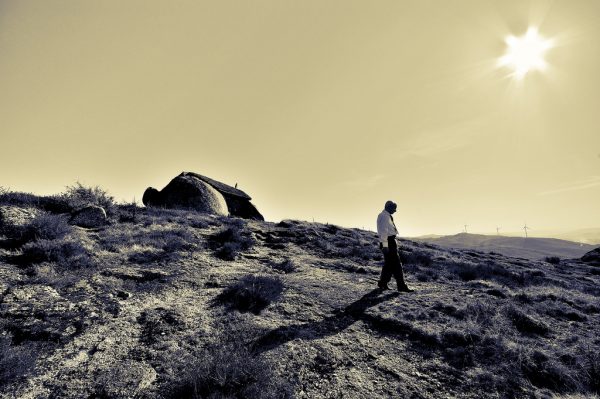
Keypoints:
(328, 326)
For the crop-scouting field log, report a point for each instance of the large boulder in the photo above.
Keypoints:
(151, 197)
(187, 192)
(194, 191)
(592, 257)
(238, 202)
(91, 216)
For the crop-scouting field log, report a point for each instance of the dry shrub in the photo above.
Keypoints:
(128, 213)
(146, 256)
(230, 371)
(160, 244)
(159, 323)
(229, 242)
(526, 324)
(79, 196)
(555, 260)
(562, 312)
(494, 272)
(15, 361)
(287, 266)
(229, 368)
(591, 369)
(252, 293)
(68, 254)
(544, 372)
(427, 275)
(48, 227)
(51, 203)
(416, 258)
(43, 227)
(481, 313)
(8, 197)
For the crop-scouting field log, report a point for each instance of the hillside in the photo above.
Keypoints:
(586, 236)
(176, 304)
(521, 247)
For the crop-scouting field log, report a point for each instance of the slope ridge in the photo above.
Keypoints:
(146, 311)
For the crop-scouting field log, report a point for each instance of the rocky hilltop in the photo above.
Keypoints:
(159, 303)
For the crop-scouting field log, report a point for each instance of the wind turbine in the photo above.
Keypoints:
(526, 228)
(466, 227)
(498, 230)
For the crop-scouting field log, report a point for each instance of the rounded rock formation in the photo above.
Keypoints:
(187, 192)
(151, 197)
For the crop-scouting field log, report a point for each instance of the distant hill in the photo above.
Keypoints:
(587, 236)
(530, 248)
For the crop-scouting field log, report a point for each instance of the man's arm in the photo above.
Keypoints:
(382, 230)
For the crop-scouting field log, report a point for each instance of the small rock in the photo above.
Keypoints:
(592, 257)
(15, 216)
(91, 216)
(123, 294)
(136, 274)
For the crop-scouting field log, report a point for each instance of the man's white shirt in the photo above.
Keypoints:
(385, 227)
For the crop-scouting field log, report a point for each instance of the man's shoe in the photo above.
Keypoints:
(382, 286)
(404, 288)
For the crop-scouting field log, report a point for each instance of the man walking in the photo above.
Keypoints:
(386, 229)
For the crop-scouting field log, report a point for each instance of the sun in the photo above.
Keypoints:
(526, 53)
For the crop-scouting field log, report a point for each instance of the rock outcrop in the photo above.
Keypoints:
(38, 313)
(201, 193)
(15, 216)
(592, 257)
(186, 192)
(91, 216)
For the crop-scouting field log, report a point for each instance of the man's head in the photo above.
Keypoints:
(390, 206)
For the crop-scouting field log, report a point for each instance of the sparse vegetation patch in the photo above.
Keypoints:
(228, 243)
(79, 196)
(42, 227)
(286, 266)
(149, 293)
(66, 253)
(15, 361)
(252, 293)
(525, 323)
(228, 368)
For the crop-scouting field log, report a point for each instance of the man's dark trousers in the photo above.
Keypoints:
(392, 265)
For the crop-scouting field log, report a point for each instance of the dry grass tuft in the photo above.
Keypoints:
(228, 368)
(228, 243)
(555, 260)
(67, 254)
(15, 361)
(287, 266)
(252, 293)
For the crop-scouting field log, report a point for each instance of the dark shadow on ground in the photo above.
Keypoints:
(329, 326)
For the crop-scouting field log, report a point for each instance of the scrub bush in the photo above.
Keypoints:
(79, 196)
(229, 242)
(252, 293)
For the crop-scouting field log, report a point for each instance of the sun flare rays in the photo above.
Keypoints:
(526, 53)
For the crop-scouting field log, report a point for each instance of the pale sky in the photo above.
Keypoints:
(317, 109)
